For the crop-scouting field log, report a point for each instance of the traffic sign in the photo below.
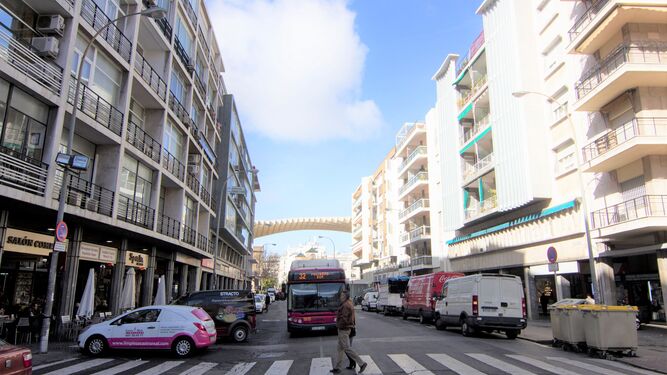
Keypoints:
(553, 267)
(552, 254)
(59, 247)
(61, 231)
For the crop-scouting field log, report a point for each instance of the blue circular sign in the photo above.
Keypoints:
(61, 231)
(552, 254)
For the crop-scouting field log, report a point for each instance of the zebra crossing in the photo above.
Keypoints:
(415, 364)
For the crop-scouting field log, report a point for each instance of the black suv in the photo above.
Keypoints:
(232, 310)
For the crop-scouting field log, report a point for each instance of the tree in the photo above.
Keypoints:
(269, 265)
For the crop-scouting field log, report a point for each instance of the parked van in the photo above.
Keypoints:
(422, 291)
(483, 302)
(370, 301)
(390, 295)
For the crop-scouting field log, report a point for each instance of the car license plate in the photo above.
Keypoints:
(318, 328)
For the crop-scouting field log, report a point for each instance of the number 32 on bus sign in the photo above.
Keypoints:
(317, 276)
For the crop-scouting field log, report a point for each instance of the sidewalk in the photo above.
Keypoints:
(651, 354)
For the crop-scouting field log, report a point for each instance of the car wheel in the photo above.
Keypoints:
(405, 316)
(512, 334)
(183, 347)
(240, 334)
(440, 324)
(96, 345)
(465, 328)
(422, 319)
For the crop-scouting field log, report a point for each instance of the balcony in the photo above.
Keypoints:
(419, 233)
(193, 183)
(200, 85)
(20, 57)
(625, 68)
(204, 244)
(190, 12)
(161, 23)
(203, 42)
(420, 151)
(180, 111)
(22, 172)
(585, 19)
(150, 76)
(476, 129)
(206, 197)
(85, 195)
(477, 87)
(189, 235)
(112, 34)
(643, 214)
(474, 47)
(478, 209)
(471, 171)
(173, 165)
(420, 177)
(135, 213)
(634, 140)
(143, 142)
(406, 133)
(168, 226)
(183, 55)
(417, 263)
(419, 205)
(97, 108)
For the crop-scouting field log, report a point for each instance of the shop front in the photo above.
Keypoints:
(138, 261)
(207, 276)
(102, 260)
(638, 284)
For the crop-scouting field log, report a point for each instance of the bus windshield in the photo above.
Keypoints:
(314, 296)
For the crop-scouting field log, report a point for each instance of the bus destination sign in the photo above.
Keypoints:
(301, 276)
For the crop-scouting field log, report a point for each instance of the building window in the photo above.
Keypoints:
(106, 77)
(565, 158)
(184, 36)
(189, 213)
(552, 53)
(178, 86)
(173, 140)
(136, 181)
(137, 114)
(22, 122)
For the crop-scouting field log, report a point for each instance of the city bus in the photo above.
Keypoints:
(313, 295)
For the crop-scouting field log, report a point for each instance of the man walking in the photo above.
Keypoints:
(345, 324)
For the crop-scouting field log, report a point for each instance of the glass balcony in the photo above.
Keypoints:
(641, 207)
(134, 212)
(97, 108)
(168, 226)
(419, 151)
(143, 142)
(22, 172)
(96, 18)
(85, 195)
(150, 76)
(478, 209)
(422, 203)
(419, 177)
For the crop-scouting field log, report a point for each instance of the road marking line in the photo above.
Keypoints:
(122, 367)
(504, 366)
(271, 320)
(372, 368)
(161, 368)
(241, 368)
(543, 365)
(455, 365)
(80, 367)
(279, 367)
(35, 368)
(199, 369)
(626, 367)
(409, 365)
(586, 366)
(320, 366)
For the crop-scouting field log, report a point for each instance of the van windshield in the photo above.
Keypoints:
(314, 297)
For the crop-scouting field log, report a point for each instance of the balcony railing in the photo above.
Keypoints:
(169, 226)
(650, 53)
(22, 172)
(143, 142)
(421, 176)
(150, 76)
(134, 212)
(200, 85)
(474, 47)
(421, 150)
(471, 169)
(182, 54)
(638, 127)
(189, 235)
(406, 132)
(173, 165)
(180, 111)
(422, 203)
(586, 18)
(23, 59)
(424, 260)
(479, 209)
(206, 197)
(474, 90)
(203, 243)
(638, 208)
(416, 234)
(85, 195)
(193, 183)
(112, 34)
(97, 108)
(162, 23)
(203, 42)
(474, 130)
(191, 12)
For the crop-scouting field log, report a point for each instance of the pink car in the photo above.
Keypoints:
(181, 329)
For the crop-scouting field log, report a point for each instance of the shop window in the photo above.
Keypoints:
(24, 123)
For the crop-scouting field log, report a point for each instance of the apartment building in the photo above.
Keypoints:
(149, 122)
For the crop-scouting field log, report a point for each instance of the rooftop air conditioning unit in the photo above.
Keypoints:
(51, 25)
(46, 46)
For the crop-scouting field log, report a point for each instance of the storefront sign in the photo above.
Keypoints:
(133, 259)
(181, 258)
(97, 253)
(21, 241)
(207, 263)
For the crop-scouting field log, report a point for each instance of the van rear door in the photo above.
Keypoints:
(511, 294)
(489, 296)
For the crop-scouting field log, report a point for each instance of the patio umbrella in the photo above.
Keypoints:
(161, 295)
(127, 297)
(87, 303)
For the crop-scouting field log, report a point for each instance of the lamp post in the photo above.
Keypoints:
(152, 12)
(332, 243)
(582, 187)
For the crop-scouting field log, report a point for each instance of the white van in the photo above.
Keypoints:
(483, 302)
(370, 301)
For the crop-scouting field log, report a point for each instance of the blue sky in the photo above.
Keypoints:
(322, 88)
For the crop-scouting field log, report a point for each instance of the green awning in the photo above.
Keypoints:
(475, 140)
(460, 77)
(465, 111)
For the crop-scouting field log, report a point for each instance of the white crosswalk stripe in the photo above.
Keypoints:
(120, 368)
(409, 365)
(627, 368)
(163, 367)
(279, 368)
(500, 365)
(586, 366)
(455, 365)
(35, 368)
(320, 366)
(543, 365)
(372, 368)
(200, 368)
(80, 367)
(241, 368)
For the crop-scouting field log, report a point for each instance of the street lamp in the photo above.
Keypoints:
(582, 188)
(152, 12)
(332, 243)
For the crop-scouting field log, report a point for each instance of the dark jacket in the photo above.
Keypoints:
(345, 315)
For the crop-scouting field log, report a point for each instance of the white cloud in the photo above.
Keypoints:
(295, 68)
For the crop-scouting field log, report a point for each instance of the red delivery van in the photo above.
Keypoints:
(421, 294)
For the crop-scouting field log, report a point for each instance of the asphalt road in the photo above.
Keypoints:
(394, 346)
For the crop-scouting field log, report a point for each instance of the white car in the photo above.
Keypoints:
(181, 329)
(260, 303)
(272, 297)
